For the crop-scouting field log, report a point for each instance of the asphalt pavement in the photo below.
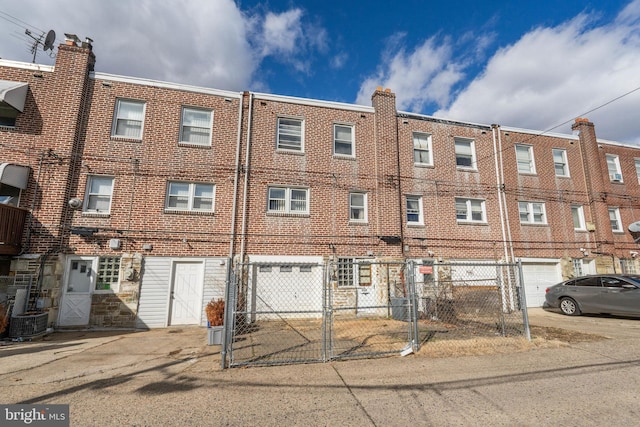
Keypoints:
(170, 377)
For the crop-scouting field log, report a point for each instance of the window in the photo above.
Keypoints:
(9, 195)
(286, 268)
(8, 115)
(465, 153)
(614, 218)
(524, 157)
(343, 140)
(352, 272)
(98, 197)
(628, 266)
(577, 212)
(587, 281)
(196, 126)
(470, 210)
(613, 165)
(290, 134)
(190, 196)
(358, 207)
(560, 163)
(638, 169)
(288, 200)
(422, 149)
(532, 213)
(414, 210)
(108, 274)
(129, 119)
(578, 270)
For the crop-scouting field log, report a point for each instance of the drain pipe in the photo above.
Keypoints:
(495, 128)
(246, 179)
(236, 179)
(504, 199)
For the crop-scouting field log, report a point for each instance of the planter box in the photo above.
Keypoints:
(214, 335)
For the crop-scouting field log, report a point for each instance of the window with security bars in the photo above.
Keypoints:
(108, 273)
(289, 134)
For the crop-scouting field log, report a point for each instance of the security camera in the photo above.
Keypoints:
(634, 254)
(75, 203)
(583, 250)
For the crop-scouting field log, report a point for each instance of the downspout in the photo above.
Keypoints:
(494, 129)
(246, 179)
(399, 188)
(504, 199)
(33, 206)
(236, 179)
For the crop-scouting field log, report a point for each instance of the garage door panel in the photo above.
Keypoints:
(537, 278)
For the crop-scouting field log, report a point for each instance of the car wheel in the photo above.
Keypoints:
(569, 307)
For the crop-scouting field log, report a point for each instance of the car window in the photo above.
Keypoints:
(612, 282)
(587, 281)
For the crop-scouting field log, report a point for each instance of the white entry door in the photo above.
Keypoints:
(186, 293)
(75, 305)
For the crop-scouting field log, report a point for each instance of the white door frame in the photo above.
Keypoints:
(170, 295)
(82, 297)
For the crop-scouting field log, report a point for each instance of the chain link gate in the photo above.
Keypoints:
(286, 313)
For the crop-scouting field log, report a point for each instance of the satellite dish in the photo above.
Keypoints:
(634, 227)
(49, 40)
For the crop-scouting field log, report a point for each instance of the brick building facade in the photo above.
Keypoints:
(141, 191)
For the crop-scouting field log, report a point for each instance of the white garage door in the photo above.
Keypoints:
(537, 278)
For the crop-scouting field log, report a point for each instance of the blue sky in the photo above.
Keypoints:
(530, 64)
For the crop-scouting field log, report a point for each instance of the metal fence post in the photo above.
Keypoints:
(523, 302)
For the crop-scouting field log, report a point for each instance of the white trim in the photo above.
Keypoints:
(314, 102)
(164, 85)
(26, 65)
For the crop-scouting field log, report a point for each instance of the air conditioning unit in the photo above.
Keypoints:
(616, 177)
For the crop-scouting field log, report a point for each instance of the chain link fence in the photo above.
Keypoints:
(354, 308)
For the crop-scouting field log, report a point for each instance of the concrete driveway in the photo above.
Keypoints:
(171, 377)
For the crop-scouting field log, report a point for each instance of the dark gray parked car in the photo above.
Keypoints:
(603, 293)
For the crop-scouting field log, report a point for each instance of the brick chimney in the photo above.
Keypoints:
(596, 178)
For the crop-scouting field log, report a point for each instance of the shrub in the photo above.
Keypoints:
(215, 312)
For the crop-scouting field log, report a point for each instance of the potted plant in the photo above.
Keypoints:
(215, 321)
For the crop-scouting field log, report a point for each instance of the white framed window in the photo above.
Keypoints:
(98, 195)
(108, 274)
(613, 166)
(614, 218)
(190, 196)
(577, 213)
(290, 134)
(470, 210)
(196, 126)
(524, 158)
(532, 213)
(422, 149)
(465, 153)
(637, 161)
(414, 210)
(358, 207)
(128, 119)
(560, 163)
(288, 200)
(343, 137)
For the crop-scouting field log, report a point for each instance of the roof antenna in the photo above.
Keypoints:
(46, 45)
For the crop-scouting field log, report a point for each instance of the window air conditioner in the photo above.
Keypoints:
(616, 177)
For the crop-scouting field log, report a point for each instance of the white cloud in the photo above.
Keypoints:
(552, 75)
(198, 42)
(425, 75)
